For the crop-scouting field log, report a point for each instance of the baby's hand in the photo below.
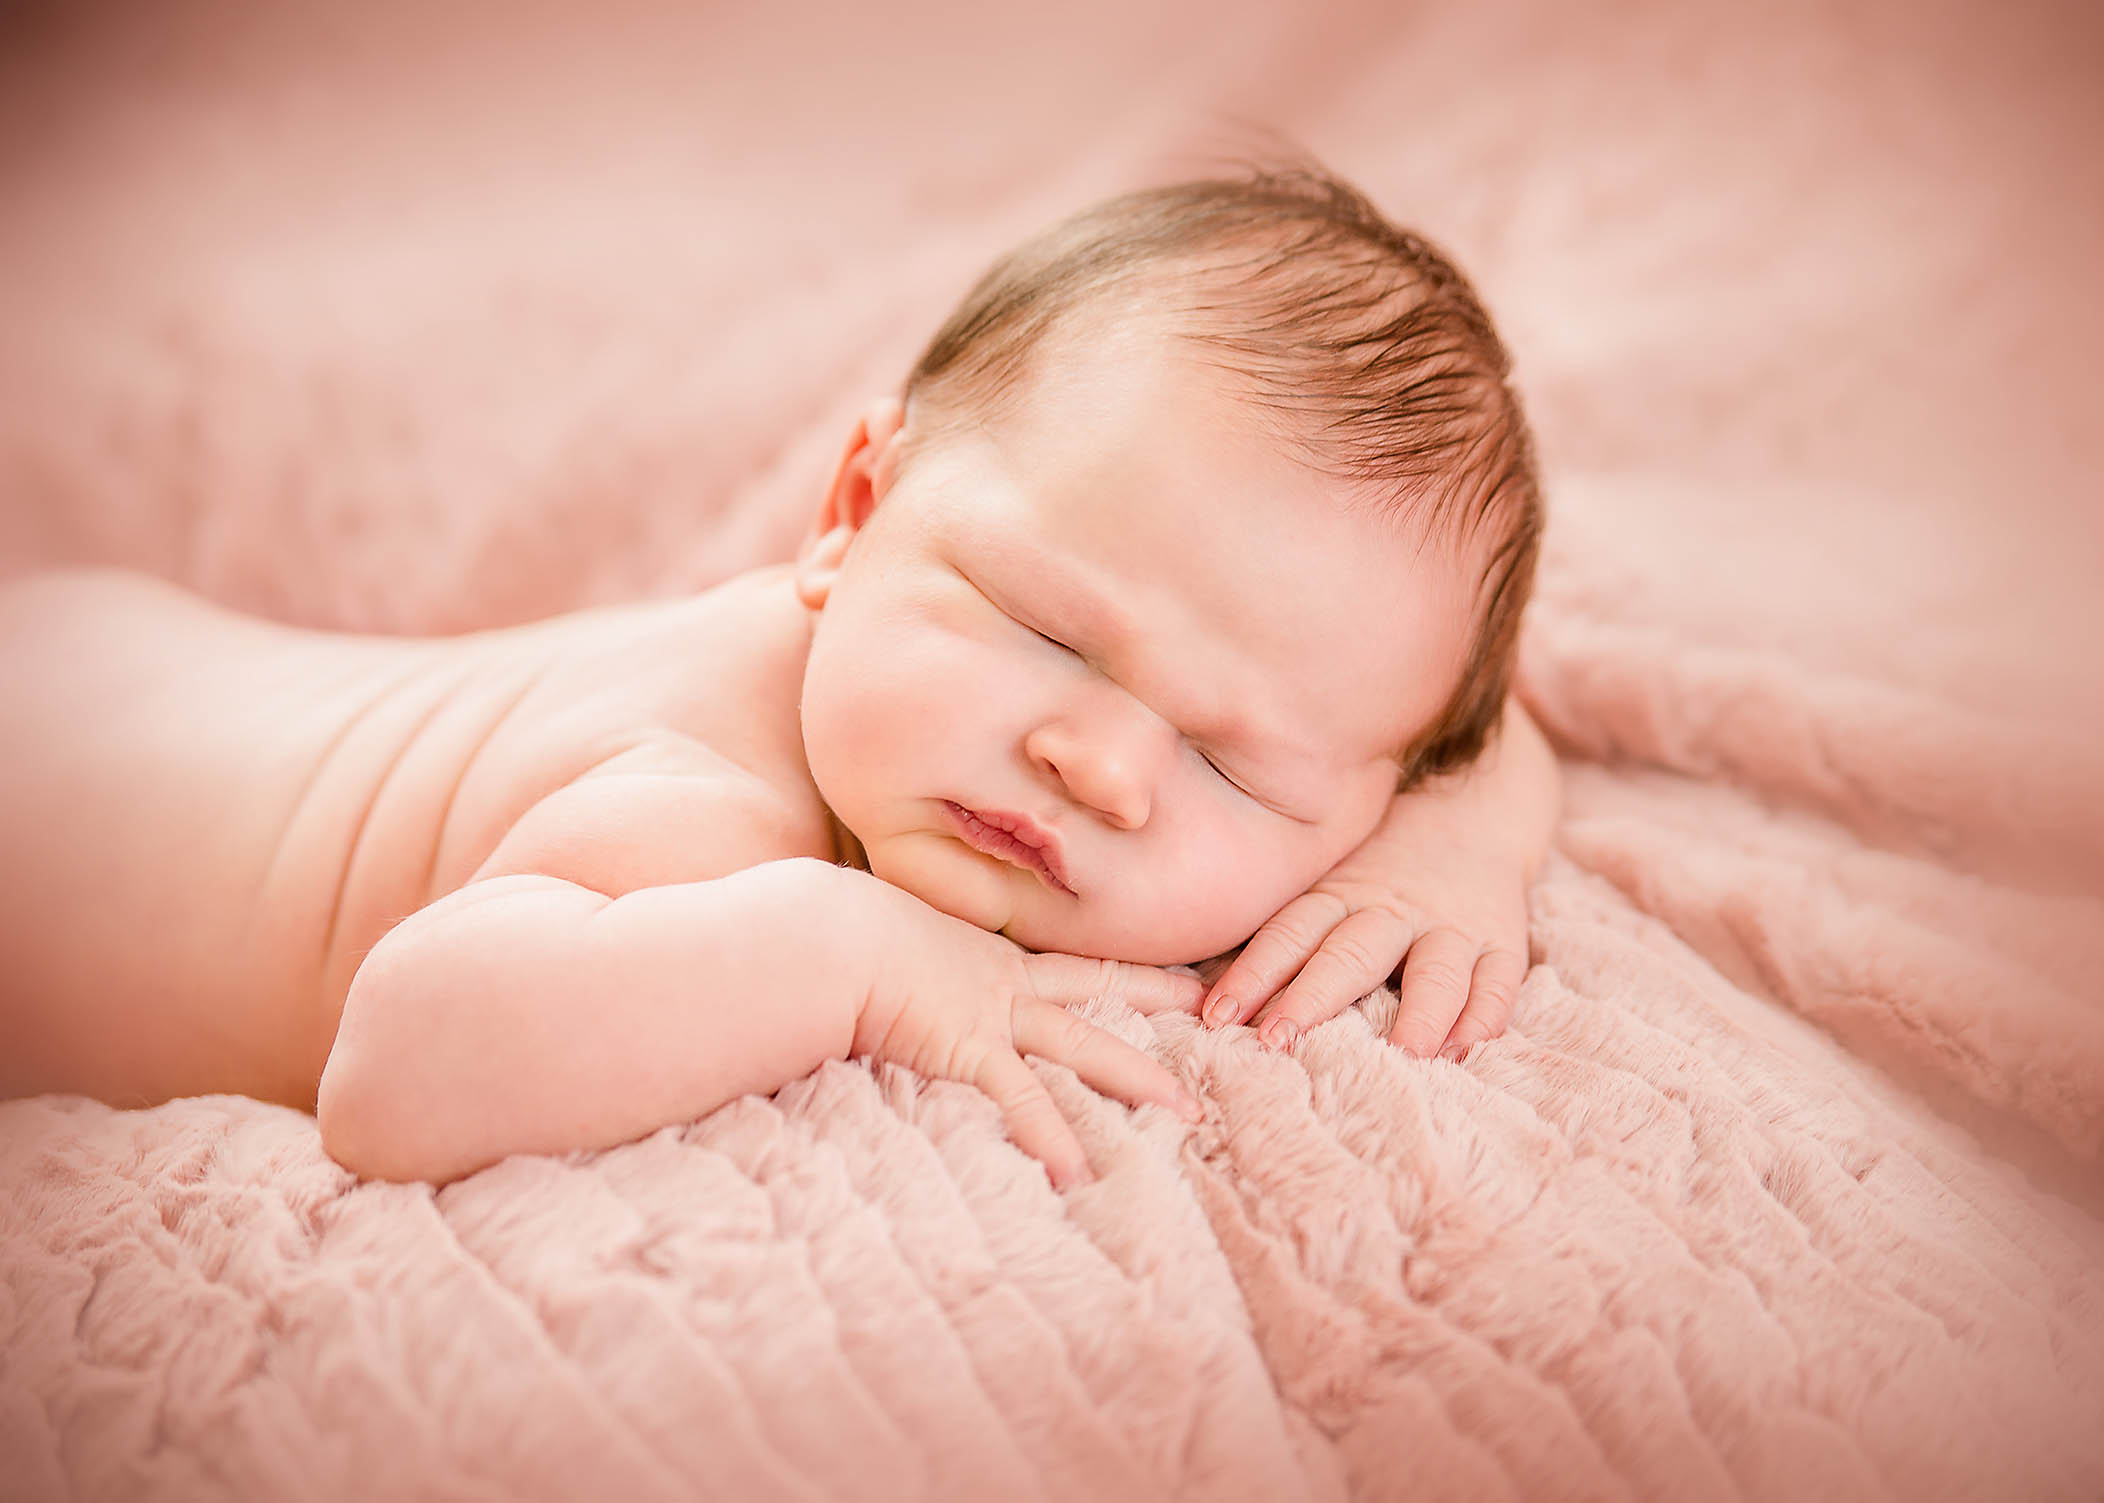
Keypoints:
(1431, 890)
(952, 1001)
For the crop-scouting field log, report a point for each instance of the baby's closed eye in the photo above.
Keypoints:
(1213, 761)
(1044, 636)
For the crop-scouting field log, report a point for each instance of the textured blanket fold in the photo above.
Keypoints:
(1787, 1180)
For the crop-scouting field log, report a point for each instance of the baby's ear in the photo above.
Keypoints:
(859, 482)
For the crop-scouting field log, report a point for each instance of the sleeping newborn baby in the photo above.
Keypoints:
(1172, 604)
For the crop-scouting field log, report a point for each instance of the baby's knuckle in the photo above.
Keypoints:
(1312, 916)
(1395, 906)
(963, 1059)
(1292, 935)
(1353, 954)
(1111, 978)
(1436, 975)
(1027, 1106)
(1307, 1007)
(1495, 987)
(1076, 1036)
(1418, 1032)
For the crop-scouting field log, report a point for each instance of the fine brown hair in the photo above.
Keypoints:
(1365, 342)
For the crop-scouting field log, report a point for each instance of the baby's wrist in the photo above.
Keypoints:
(851, 916)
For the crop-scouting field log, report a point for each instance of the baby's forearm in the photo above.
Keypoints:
(529, 1015)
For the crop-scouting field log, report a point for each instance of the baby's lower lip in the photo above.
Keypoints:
(983, 837)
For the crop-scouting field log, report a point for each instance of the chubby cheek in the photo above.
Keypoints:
(897, 715)
(857, 731)
(1207, 888)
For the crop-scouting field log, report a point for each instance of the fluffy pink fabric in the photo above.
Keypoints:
(1784, 1182)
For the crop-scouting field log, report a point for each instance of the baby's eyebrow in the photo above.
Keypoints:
(1049, 595)
(1051, 600)
(1228, 731)
(1092, 625)
(1103, 633)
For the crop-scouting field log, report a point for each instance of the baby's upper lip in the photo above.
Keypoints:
(1039, 842)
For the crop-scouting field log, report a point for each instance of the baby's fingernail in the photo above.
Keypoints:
(1190, 1107)
(1217, 1010)
(1455, 1052)
(1280, 1033)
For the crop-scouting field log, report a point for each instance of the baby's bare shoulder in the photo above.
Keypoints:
(687, 758)
(666, 811)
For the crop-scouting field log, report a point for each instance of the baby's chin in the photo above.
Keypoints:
(944, 883)
(1083, 928)
(1012, 903)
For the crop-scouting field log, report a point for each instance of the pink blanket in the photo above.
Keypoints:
(1784, 1183)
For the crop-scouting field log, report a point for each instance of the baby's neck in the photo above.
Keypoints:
(847, 850)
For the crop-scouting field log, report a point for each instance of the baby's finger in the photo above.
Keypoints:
(1104, 1061)
(1435, 986)
(1034, 1123)
(1356, 958)
(1272, 957)
(1144, 988)
(1497, 982)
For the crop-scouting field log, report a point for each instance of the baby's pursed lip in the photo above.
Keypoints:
(1012, 837)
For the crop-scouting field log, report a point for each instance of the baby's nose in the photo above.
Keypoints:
(1110, 758)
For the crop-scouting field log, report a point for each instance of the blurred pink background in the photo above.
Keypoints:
(405, 316)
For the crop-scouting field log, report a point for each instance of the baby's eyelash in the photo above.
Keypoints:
(1063, 647)
(1225, 776)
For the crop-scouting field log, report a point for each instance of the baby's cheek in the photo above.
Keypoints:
(1210, 898)
(1245, 875)
(864, 705)
(1239, 899)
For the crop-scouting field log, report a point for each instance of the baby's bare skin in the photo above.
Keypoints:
(551, 888)
(210, 820)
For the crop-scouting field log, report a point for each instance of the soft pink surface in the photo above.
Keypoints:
(382, 319)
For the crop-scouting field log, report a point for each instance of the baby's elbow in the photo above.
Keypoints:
(345, 1109)
(366, 1103)
(360, 1118)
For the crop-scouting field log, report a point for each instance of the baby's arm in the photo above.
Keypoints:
(529, 1014)
(1439, 888)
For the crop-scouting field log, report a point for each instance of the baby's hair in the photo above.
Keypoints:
(1365, 342)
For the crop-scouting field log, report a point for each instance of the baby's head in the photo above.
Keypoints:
(1204, 523)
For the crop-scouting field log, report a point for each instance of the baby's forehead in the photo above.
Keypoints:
(1230, 349)
(1131, 407)
(1142, 321)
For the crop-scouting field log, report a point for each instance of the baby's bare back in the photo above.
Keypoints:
(208, 820)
